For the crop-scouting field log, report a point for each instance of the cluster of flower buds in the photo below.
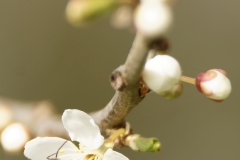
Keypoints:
(10, 141)
(151, 18)
(162, 74)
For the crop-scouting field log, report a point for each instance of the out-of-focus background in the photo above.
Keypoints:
(42, 57)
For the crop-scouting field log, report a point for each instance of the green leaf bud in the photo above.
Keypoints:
(79, 12)
(142, 144)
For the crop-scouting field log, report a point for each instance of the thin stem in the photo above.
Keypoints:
(152, 53)
(188, 80)
(117, 133)
(136, 60)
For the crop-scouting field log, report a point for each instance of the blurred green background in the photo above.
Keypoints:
(42, 57)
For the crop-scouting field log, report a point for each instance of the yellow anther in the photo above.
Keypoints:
(61, 151)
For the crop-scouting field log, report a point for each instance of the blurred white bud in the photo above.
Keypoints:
(6, 115)
(122, 17)
(14, 137)
(153, 18)
(80, 12)
(161, 73)
(214, 84)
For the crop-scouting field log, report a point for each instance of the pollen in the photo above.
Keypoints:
(61, 151)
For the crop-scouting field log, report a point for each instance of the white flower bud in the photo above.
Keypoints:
(153, 18)
(161, 73)
(214, 84)
(14, 137)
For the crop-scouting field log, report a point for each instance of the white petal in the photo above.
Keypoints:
(51, 147)
(113, 155)
(161, 73)
(82, 128)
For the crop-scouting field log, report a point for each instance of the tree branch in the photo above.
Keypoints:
(126, 81)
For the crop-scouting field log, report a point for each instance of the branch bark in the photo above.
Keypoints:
(126, 81)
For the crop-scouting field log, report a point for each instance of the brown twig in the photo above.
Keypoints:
(125, 80)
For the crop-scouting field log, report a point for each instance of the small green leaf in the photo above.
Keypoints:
(147, 144)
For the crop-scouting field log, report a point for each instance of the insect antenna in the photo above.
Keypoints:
(56, 152)
(60, 148)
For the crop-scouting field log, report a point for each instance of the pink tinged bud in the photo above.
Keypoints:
(222, 71)
(161, 73)
(214, 84)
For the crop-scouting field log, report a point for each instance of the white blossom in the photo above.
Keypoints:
(82, 128)
(161, 73)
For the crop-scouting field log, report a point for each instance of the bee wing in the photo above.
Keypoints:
(42, 148)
